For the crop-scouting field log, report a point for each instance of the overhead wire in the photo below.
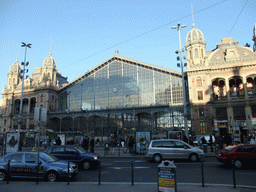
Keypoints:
(238, 17)
(144, 34)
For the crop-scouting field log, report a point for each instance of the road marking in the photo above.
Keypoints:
(129, 167)
(125, 161)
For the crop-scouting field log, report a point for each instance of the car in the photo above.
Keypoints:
(207, 138)
(24, 165)
(167, 149)
(238, 155)
(75, 154)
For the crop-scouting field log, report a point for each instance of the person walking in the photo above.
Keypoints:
(85, 144)
(131, 143)
(92, 145)
(112, 146)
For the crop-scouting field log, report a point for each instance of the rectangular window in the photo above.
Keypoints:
(200, 95)
(202, 127)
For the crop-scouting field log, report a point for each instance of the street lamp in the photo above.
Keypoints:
(178, 27)
(23, 71)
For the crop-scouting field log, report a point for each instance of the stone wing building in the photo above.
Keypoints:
(40, 90)
(222, 85)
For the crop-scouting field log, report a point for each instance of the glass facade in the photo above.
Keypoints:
(121, 96)
(121, 84)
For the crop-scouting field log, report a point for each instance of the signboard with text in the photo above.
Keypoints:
(166, 179)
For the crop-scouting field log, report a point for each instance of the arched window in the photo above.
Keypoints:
(49, 76)
(190, 55)
(52, 97)
(42, 98)
(202, 53)
(196, 53)
(199, 82)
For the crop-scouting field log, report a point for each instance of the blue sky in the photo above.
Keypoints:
(86, 33)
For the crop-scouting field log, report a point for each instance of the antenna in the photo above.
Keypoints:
(193, 24)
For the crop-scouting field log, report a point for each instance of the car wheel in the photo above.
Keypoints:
(193, 157)
(157, 158)
(86, 165)
(238, 164)
(52, 176)
(2, 175)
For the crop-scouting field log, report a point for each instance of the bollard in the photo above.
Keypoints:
(68, 172)
(8, 171)
(202, 168)
(119, 150)
(99, 172)
(37, 170)
(234, 175)
(132, 170)
(167, 180)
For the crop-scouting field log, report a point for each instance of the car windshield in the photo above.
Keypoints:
(80, 149)
(229, 148)
(48, 158)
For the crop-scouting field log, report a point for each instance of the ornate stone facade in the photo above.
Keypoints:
(40, 90)
(222, 85)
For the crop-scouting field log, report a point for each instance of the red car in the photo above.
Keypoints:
(240, 155)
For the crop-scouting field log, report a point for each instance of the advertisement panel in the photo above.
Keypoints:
(12, 140)
(62, 138)
(166, 179)
(142, 141)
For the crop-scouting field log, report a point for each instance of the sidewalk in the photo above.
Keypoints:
(119, 153)
(14, 186)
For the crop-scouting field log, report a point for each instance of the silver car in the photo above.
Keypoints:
(24, 165)
(173, 149)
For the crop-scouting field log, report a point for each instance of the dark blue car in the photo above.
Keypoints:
(75, 154)
(25, 165)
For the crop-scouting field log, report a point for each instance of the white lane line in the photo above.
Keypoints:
(129, 167)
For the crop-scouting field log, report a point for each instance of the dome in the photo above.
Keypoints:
(195, 35)
(15, 68)
(49, 62)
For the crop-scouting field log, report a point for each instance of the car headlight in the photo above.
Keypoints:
(95, 157)
(66, 170)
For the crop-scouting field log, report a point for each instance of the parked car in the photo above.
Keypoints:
(173, 149)
(24, 165)
(75, 154)
(239, 155)
(207, 138)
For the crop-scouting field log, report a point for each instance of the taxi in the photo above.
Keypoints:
(25, 165)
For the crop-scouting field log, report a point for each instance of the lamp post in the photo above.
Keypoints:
(178, 27)
(23, 71)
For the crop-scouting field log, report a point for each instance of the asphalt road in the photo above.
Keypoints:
(119, 170)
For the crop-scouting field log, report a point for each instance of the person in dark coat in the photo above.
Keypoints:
(185, 139)
(58, 141)
(211, 142)
(92, 145)
(85, 143)
(131, 143)
(204, 140)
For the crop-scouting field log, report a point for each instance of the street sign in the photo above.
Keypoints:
(43, 113)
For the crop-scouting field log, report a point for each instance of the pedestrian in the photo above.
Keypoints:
(85, 144)
(97, 142)
(58, 141)
(253, 141)
(211, 141)
(227, 139)
(185, 139)
(122, 142)
(204, 141)
(131, 143)
(112, 146)
(92, 145)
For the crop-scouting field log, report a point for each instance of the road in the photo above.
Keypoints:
(119, 170)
